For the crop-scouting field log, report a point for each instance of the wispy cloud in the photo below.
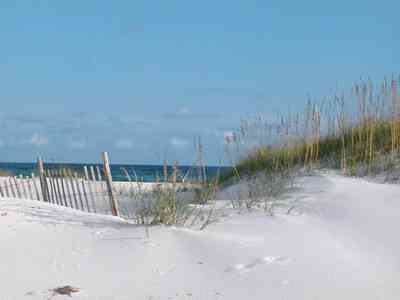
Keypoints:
(184, 110)
(179, 143)
(77, 144)
(64, 137)
(135, 121)
(26, 119)
(237, 92)
(184, 113)
(38, 140)
(124, 144)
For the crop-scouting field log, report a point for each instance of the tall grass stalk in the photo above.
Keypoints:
(354, 132)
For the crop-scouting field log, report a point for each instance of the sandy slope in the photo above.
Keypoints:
(343, 245)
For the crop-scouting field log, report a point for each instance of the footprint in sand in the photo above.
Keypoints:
(281, 260)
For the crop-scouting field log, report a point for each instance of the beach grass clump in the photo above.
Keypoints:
(172, 202)
(357, 133)
(160, 204)
(263, 191)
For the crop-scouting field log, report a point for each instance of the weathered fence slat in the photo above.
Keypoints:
(24, 187)
(23, 190)
(71, 181)
(42, 179)
(90, 188)
(28, 182)
(108, 177)
(76, 179)
(51, 187)
(99, 177)
(12, 187)
(19, 195)
(64, 186)
(71, 190)
(85, 195)
(102, 188)
(58, 189)
(8, 192)
(35, 187)
(94, 180)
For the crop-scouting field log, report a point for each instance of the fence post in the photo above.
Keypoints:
(107, 174)
(43, 180)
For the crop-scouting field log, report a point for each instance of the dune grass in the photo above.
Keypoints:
(353, 132)
(172, 201)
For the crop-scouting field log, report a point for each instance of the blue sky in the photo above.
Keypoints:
(142, 79)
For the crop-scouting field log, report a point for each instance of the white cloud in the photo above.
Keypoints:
(178, 142)
(124, 143)
(184, 111)
(77, 144)
(38, 140)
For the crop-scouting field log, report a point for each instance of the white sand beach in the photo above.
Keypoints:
(340, 243)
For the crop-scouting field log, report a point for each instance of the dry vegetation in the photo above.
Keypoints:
(357, 132)
(173, 201)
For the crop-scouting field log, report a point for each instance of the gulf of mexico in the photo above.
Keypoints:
(146, 173)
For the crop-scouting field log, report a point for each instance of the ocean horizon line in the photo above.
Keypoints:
(114, 164)
(119, 172)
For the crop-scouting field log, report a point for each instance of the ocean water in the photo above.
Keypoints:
(146, 173)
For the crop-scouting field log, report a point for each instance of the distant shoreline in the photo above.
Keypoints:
(141, 172)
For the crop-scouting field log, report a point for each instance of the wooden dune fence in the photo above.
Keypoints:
(89, 189)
